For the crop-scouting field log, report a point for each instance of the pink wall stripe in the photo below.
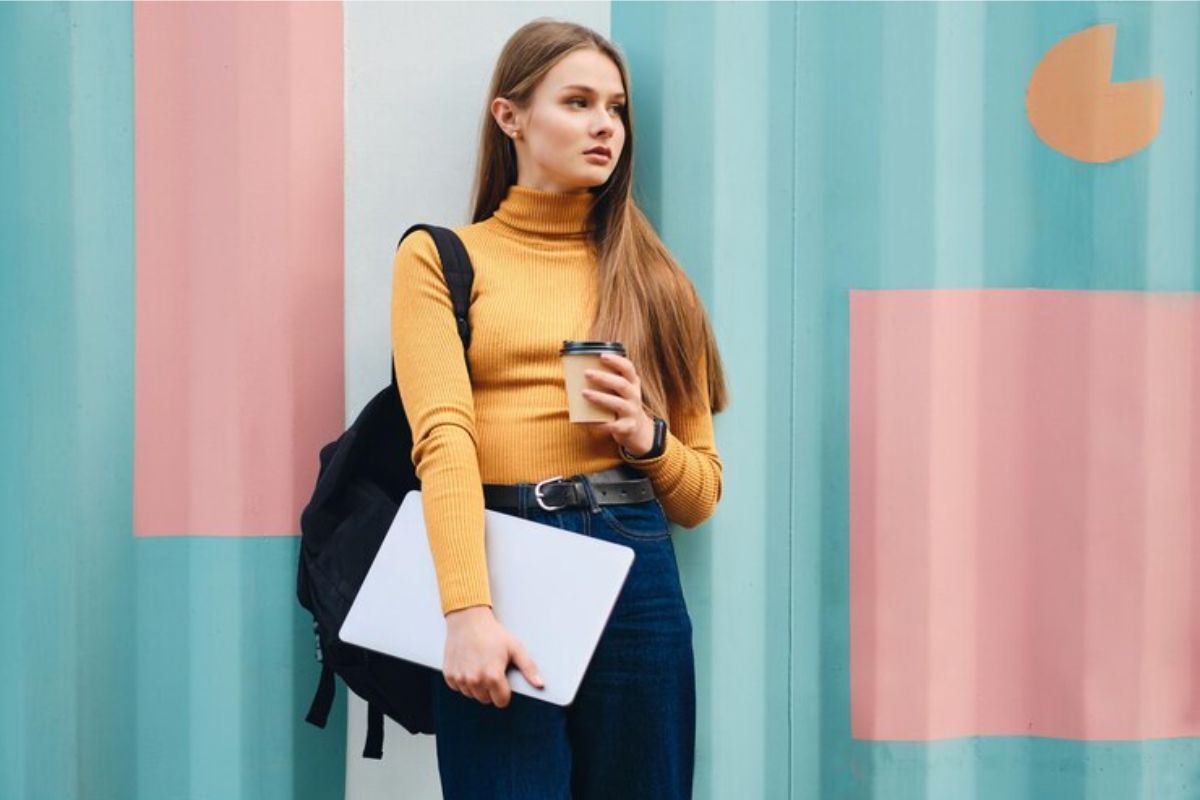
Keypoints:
(239, 262)
(1024, 543)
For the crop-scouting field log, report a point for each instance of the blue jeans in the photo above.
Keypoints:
(630, 733)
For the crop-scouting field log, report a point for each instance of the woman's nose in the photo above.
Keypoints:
(605, 124)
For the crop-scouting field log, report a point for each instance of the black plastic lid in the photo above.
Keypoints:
(571, 348)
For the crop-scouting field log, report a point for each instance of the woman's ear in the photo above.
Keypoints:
(505, 114)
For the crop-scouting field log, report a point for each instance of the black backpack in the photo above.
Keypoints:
(363, 477)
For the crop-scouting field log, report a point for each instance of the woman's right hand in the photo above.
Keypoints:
(478, 651)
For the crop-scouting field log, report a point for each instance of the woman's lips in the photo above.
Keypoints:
(598, 158)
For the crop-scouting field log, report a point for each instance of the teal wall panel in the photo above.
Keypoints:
(225, 672)
(789, 153)
(66, 257)
(712, 87)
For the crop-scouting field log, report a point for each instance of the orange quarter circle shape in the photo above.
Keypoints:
(1077, 109)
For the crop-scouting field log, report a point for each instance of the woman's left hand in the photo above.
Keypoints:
(621, 391)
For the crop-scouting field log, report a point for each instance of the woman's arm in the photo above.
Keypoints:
(687, 475)
(434, 385)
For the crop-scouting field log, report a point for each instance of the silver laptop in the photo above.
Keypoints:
(551, 588)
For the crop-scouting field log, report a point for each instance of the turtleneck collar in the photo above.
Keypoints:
(545, 213)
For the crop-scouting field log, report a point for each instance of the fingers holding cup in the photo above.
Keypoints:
(578, 358)
(623, 367)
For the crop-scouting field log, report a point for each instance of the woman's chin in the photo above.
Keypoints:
(595, 177)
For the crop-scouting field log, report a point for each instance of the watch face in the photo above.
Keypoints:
(660, 435)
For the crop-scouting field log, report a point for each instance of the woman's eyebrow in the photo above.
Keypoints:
(590, 90)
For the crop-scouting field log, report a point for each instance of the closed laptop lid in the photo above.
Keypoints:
(553, 589)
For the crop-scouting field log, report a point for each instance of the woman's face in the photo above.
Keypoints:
(575, 108)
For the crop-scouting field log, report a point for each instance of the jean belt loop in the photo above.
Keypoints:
(591, 493)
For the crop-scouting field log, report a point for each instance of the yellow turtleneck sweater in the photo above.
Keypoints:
(534, 287)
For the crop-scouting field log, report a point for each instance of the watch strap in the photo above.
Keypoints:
(657, 448)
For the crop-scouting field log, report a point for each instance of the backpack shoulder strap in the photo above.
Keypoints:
(459, 272)
(373, 747)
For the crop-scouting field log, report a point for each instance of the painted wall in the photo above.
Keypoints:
(173, 662)
(955, 550)
(815, 166)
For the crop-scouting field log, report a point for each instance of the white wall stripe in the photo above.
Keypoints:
(416, 78)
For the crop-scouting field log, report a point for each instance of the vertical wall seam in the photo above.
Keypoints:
(791, 682)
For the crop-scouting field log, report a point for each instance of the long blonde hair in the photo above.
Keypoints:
(646, 300)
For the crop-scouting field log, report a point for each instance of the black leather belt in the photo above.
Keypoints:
(622, 484)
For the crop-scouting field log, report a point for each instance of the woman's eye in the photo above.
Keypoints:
(618, 106)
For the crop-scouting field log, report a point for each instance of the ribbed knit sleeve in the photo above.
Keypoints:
(687, 475)
(436, 391)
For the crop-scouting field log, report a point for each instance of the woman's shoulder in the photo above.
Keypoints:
(419, 244)
(421, 239)
(475, 231)
(416, 244)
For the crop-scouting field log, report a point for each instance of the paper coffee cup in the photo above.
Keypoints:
(578, 358)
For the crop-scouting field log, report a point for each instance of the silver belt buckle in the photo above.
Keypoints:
(537, 493)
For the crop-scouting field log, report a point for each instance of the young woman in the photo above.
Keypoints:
(561, 252)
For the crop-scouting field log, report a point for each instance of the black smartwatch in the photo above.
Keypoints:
(659, 446)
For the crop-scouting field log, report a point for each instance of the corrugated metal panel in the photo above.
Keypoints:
(795, 158)
(799, 153)
(160, 667)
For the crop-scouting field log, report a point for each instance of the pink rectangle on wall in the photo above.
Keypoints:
(239, 376)
(1024, 539)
